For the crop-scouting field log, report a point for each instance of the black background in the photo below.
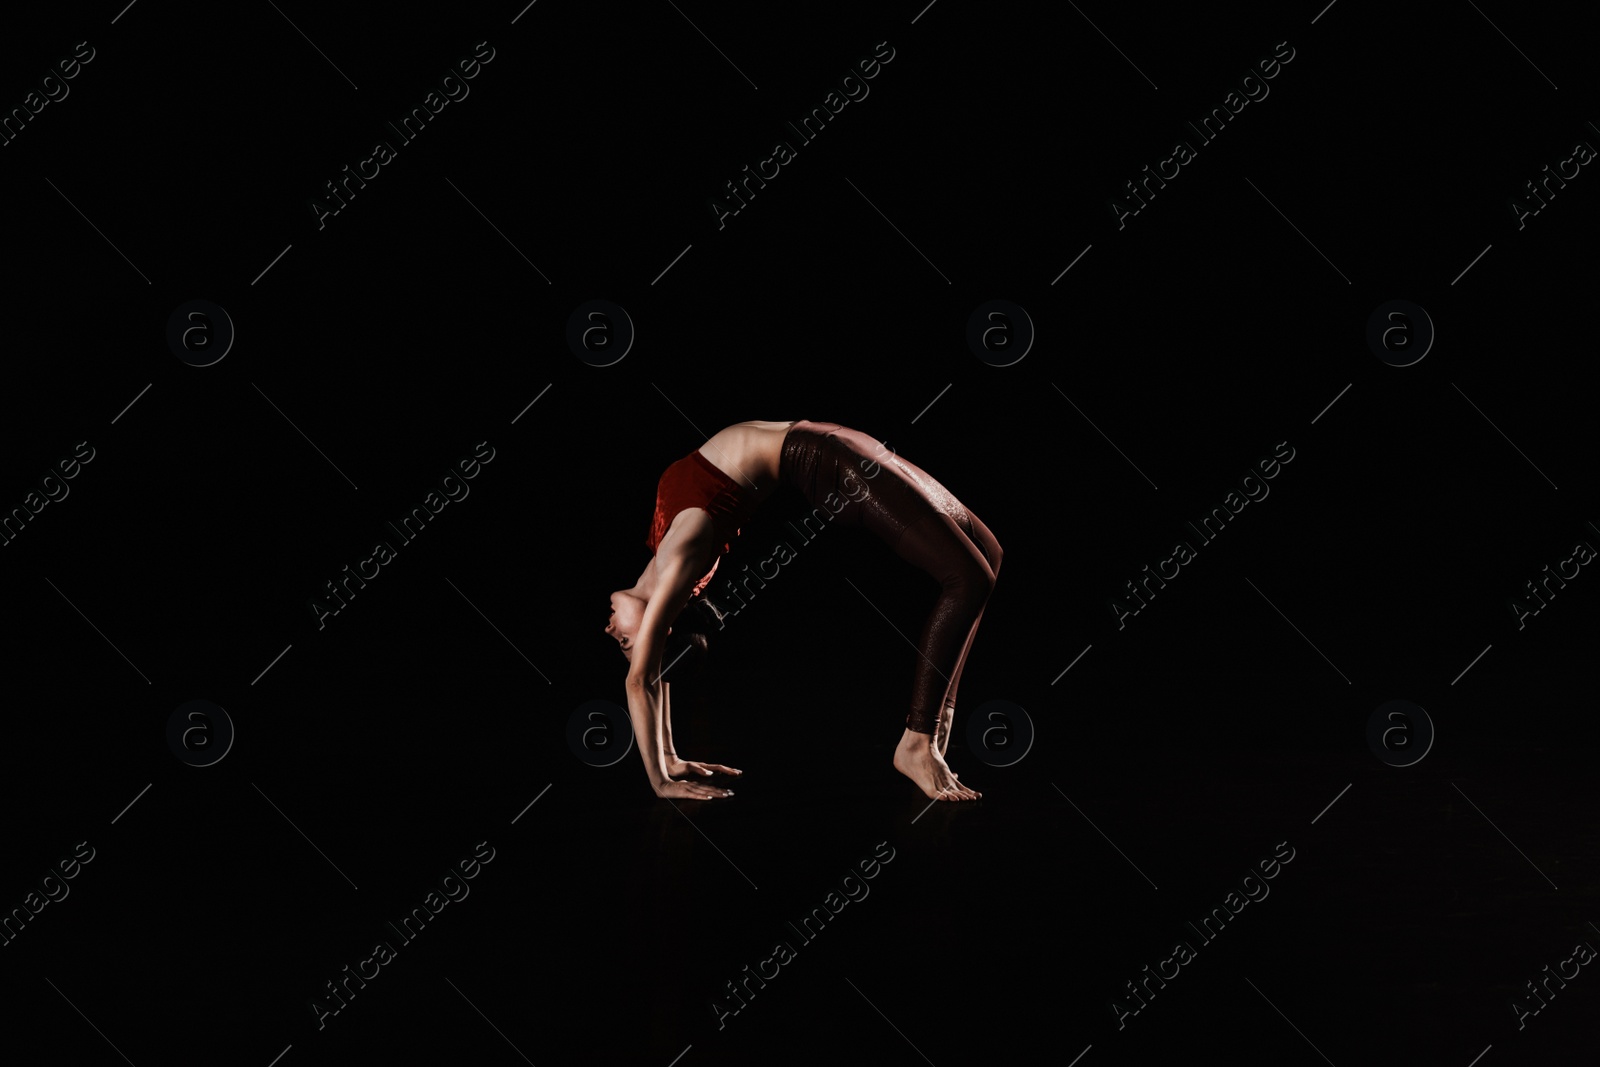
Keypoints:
(382, 347)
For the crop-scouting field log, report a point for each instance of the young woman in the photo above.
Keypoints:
(703, 499)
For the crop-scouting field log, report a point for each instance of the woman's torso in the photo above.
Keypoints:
(749, 454)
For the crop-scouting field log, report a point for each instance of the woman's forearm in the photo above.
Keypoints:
(668, 749)
(647, 711)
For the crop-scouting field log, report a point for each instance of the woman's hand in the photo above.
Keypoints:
(678, 767)
(690, 790)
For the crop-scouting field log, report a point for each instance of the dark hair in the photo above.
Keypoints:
(684, 654)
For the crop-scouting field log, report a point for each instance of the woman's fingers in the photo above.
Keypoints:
(708, 769)
(678, 788)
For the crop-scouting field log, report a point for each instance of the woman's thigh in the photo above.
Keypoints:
(891, 491)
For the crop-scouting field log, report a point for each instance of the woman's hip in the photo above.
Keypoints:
(823, 459)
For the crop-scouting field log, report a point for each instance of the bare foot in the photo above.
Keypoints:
(918, 758)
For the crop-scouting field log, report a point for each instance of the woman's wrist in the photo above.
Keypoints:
(656, 766)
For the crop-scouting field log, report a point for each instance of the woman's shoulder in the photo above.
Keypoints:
(690, 534)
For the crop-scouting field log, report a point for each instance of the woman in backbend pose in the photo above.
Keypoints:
(703, 499)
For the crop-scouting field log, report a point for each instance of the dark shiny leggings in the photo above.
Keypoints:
(852, 480)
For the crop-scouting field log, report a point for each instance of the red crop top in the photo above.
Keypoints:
(695, 482)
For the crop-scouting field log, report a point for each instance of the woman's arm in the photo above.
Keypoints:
(668, 747)
(647, 692)
(677, 767)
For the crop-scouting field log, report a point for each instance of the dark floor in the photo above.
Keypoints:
(607, 923)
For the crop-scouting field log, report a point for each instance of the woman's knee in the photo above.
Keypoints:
(989, 549)
(971, 583)
(986, 542)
